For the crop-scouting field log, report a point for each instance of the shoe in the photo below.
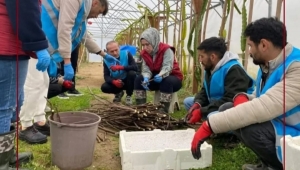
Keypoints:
(128, 100)
(74, 93)
(47, 109)
(62, 96)
(43, 129)
(32, 136)
(118, 97)
(7, 151)
(256, 167)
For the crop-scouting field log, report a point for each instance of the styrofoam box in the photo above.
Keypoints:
(292, 152)
(161, 150)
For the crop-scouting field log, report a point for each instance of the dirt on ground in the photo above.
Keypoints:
(106, 155)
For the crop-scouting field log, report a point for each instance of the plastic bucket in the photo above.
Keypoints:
(73, 139)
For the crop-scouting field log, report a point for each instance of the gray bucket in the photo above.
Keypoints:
(73, 139)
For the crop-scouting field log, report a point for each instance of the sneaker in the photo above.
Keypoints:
(74, 93)
(128, 100)
(43, 129)
(118, 97)
(32, 136)
(62, 96)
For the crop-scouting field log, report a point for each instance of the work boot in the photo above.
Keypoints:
(32, 136)
(165, 101)
(118, 97)
(45, 130)
(256, 167)
(7, 150)
(23, 158)
(140, 97)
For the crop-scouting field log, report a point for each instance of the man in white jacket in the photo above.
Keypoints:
(261, 119)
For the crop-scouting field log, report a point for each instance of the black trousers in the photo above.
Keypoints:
(128, 85)
(55, 89)
(168, 85)
(74, 60)
(260, 138)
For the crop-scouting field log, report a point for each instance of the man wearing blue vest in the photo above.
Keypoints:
(119, 77)
(262, 118)
(224, 78)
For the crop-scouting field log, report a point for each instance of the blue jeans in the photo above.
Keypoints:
(11, 93)
(188, 102)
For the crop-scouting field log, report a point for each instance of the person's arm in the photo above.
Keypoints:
(131, 63)
(90, 44)
(146, 70)
(236, 81)
(29, 23)
(265, 108)
(201, 97)
(107, 76)
(167, 65)
(67, 14)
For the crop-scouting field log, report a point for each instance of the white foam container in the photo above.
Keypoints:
(292, 152)
(161, 150)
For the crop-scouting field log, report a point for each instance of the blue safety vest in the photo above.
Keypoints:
(216, 89)
(292, 117)
(49, 18)
(123, 61)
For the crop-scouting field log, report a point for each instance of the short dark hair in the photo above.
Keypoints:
(214, 44)
(271, 29)
(105, 4)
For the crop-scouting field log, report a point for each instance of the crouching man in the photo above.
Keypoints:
(224, 78)
(119, 77)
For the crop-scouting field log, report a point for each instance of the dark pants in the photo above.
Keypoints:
(55, 89)
(168, 85)
(74, 60)
(128, 85)
(260, 138)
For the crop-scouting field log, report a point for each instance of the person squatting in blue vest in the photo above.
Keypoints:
(121, 76)
(258, 118)
(224, 78)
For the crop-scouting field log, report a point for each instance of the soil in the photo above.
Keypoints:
(106, 156)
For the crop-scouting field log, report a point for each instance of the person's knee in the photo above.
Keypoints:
(105, 87)
(188, 102)
(131, 74)
(225, 106)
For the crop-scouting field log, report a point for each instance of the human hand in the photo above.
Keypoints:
(68, 72)
(43, 60)
(117, 67)
(157, 78)
(200, 136)
(118, 83)
(145, 83)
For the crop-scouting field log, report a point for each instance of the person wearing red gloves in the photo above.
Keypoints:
(224, 78)
(261, 119)
(119, 77)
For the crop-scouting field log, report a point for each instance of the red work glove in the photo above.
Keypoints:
(239, 99)
(195, 116)
(117, 67)
(118, 83)
(68, 84)
(200, 136)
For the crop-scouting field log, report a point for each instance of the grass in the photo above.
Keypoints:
(231, 159)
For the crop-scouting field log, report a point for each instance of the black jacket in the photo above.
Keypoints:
(131, 67)
(236, 81)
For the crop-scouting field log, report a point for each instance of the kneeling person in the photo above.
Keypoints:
(119, 77)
